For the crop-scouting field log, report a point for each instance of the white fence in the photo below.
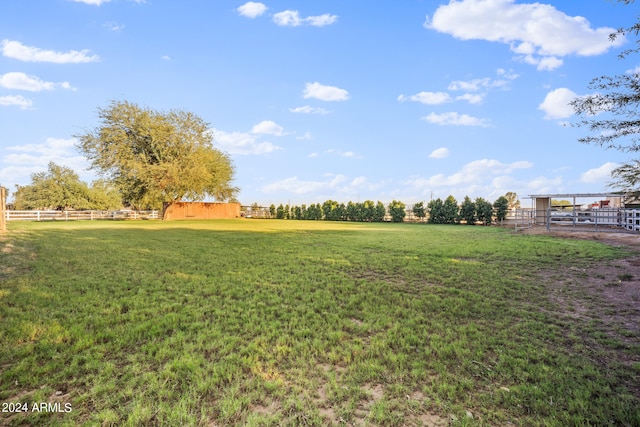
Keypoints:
(79, 215)
(603, 219)
(599, 219)
(632, 220)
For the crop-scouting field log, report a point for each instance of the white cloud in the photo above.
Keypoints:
(341, 153)
(509, 75)
(92, 2)
(455, 119)
(165, 58)
(16, 50)
(113, 26)
(51, 147)
(539, 33)
(471, 98)
(241, 143)
(100, 2)
(556, 104)
(429, 98)
(306, 136)
(252, 9)
(21, 81)
(307, 109)
(312, 155)
(439, 153)
(23, 160)
(484, 83)
(325, 93)
(635, 70)
(292, 18)
(599, 175)
(268, 127)
(477, 171)
(480, 177)
(548, 63)
(298, 186)
(16, 100)
(544, 185)
(334, 183)
(321, 20)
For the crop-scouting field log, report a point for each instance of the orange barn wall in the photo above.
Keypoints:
(200, 210)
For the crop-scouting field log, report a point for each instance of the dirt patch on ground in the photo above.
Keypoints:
(614, 284)
(612, 238)
(604, 298)
(369, 394)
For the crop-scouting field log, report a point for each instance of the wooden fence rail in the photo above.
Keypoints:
(78, 215)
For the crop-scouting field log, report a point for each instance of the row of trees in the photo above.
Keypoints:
(470, 212)
(367, 211)
(60, 188)
(438, 211)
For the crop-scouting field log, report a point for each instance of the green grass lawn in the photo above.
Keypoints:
(266, 322)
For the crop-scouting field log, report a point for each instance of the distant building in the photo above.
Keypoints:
(200, 210)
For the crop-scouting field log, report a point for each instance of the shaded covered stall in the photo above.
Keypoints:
(604, 211)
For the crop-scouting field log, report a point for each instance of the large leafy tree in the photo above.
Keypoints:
(105, 195)
(484, 211)
(436, 211)
(419, 210)
(501, 206)
(60, 188)
(155, 157)
(332, 210)
(368, 210)
(612, 115)
(468, 211)
(450, 210)
(379, 212)
(397, 211)
(512, 200)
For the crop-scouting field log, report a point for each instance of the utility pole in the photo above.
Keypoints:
(3, 210)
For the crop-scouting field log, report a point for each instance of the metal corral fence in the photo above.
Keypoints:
(255, 212)
(79, 215)
(600, 219)
(522, 218)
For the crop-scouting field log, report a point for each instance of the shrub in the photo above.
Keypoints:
(397, 211)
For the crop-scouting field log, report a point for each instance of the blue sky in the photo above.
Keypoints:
(343, 100)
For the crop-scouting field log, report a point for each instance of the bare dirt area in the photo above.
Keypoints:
(616, 283)
(604, 298)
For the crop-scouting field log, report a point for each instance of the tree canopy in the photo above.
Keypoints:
(501, 206)
(154, 157)
(60, 188)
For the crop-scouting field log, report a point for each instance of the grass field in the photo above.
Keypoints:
(258, 322)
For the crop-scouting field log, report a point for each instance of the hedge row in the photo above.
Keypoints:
(437, 211)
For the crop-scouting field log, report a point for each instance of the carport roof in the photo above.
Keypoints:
(576, 195)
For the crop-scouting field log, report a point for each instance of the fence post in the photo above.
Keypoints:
(3, 210)
(548, 219)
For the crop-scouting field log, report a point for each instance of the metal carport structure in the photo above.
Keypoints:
(612, 216)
